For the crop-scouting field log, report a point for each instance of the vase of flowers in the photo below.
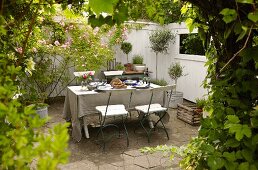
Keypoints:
(86, 78)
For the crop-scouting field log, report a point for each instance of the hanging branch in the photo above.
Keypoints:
(235, 55)
(28, 35)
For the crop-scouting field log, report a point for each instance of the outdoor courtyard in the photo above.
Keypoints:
(87, 154)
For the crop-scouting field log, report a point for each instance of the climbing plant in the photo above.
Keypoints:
(229, 137)
(23, 143)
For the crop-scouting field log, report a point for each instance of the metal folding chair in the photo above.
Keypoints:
(114, 110)
(145, 111)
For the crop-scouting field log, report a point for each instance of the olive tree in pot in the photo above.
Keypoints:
(126, 47)
(175, 71)
(159, 40)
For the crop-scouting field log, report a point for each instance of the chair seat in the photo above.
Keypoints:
(153, 108)
(113, 110)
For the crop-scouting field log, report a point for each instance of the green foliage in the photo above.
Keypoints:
(24, 144)
(117, 34)
(126, 47)
(200, 103)
(229, 15)
(175, 71)
(137, 59)
(119, 66)
(50, 75)
(191, 44)
(160, 39)
(229, 132)
(160, 82)
(86, 47)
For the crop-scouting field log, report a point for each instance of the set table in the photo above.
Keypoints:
(79, 103)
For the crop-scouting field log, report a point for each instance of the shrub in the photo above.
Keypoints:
(119, 66)
(200, 103)
(160, 82)
(137, 59)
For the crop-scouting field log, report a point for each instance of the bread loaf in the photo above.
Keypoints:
(117, 83)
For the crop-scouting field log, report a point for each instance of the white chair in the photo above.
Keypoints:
(116, 110)
(145, 111)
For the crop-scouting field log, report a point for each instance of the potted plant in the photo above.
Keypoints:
(126, 47)
(37, 99)
(175, 71)
(46, 81)
(200, 103)
(119, 66)
(138, 63)
(159, 40)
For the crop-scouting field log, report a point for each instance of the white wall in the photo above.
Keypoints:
(190, 84)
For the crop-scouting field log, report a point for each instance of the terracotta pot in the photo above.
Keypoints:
(128, 67)
(198, 110)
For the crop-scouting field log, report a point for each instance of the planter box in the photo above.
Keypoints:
(188, 114)
(175, 99)
(139, 67)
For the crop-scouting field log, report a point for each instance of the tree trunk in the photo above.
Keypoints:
(176, 85)
(156, 66)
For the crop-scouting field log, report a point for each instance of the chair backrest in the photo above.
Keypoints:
(113, 73)
(167, 93)
(80, 73)
(123, 95)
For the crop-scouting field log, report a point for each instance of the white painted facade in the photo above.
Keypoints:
(191, 84)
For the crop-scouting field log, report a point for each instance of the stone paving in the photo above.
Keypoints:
(87, 154)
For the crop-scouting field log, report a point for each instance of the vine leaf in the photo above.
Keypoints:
(246, 1)
(253, 16)
(232, 118)
(189, 22)
(227, 32)
(243, 166)
(99, 6)
(239, 130)
(97, 22)
(215, 162)
(230, 156)
(243, 33)
(249, 54)
(229, 15)
(247, 154)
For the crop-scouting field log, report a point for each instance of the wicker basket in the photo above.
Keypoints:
(188, 114)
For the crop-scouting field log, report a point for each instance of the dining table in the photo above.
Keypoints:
(81, 103)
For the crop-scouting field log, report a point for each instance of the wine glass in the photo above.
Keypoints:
(104, 81)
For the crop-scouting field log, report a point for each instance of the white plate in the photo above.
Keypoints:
(130, 81)
(104, 88)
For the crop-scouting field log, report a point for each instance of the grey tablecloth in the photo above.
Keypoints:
(80, 103)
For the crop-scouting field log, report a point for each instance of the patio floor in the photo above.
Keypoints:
(87, 154)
